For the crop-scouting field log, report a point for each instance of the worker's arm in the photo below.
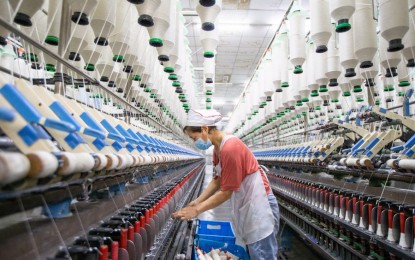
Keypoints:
(207, 193)
(212, 202)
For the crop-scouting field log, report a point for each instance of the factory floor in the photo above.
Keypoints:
(290, 245)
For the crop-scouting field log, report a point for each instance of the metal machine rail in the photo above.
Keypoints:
(377, 174)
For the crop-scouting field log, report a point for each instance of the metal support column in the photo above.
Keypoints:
(64, 35)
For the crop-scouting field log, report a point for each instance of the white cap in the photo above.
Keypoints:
(203, 117)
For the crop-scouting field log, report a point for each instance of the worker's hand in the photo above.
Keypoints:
(186, 213)
(192, 203)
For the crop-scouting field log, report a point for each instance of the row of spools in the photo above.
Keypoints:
(340, 66)
(386, 220)
(114, 41)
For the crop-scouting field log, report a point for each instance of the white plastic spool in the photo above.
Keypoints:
(169, 37)
(267, 79)
(161, 20)
(121, 83)
(174, 55)
(276, 58)
(146, 11)
(320, 64)
(103, 21)
(334, 93)
(81, 10)
(269, 108)
(208, 15)
(356, 82)
(348, 59)
(50, 63)
(403, 77)
(290, 92)
(261, 85)
(365, 37)
(345, 87)
(283, 63)
(310, 73)
(120, 38)
(320, 24)
(297, 39)
(388, 60)
(297, 84)
(209, 68)
(209, 41)
(333, 60)
(409, 39)
(78, 41)
(341, 11)
(131, 55)
(369, 74)
(105, 64)
(91, 53)
(54, 22)
(27, 9)
(304, 91)
(38, 28)
(393, 23)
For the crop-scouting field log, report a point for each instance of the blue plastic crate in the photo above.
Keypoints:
(207, 245)
(220, 231)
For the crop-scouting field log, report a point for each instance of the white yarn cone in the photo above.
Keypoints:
(54, 22)
(78, 41)
(81, 10)
(283, 63)
(124, 24)
(297, 37)
(27, 9)
(209, 41)
(409, 39)
(103, 21)
(276, 57)
(388, 60)
(208, 15)
(365, 37)
(311, 78)
(348, 59)
(333, 60)
(341, 11)
(393, 23)
(105, 64)
(146, 11)
(320, 24)
(91, 53)
(169, 37)
(161, 20)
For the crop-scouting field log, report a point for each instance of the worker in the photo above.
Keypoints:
(255, 213)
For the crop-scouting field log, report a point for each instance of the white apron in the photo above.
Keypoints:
(252, 217)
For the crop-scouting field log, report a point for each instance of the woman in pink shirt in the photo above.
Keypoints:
(255, 214)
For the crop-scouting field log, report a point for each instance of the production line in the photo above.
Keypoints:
(100, 155)
(97, 159)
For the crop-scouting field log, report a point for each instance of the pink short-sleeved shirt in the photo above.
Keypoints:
(237, 161)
